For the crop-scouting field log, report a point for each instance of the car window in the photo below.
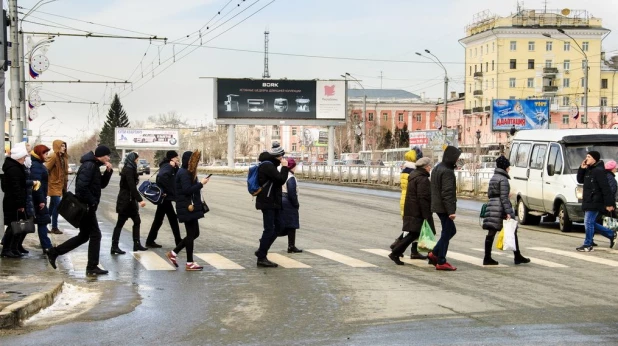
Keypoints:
(555, 158)
(521, 160)
(513, 153)
(538, 156)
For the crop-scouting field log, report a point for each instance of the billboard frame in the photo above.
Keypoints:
(528, 126)
(136, 145)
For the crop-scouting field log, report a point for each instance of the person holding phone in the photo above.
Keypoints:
(166, 180)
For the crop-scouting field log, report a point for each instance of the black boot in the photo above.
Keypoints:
(519, 259)
(395, 258)
(116, 250)
(20, 247)
(292, 242)
(415, 254)
(396, 242)
(52, 255)
(488, 261)
(137, 246)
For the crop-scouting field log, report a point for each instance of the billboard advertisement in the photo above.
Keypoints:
(161, 139)
(433, 139)
(279, 99)
(523, 114)
(315, 137)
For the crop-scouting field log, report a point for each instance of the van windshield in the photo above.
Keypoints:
(575, 154)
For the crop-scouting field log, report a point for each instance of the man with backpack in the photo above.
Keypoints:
(269, 199)
(166, 180)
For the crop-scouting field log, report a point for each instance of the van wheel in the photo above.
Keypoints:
(563, 219)
(524, 217)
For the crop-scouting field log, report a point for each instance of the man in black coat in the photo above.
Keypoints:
(269, 199)
(444, 203)
(598, 198)
(166, 180)
(88, 185)
(14, 202)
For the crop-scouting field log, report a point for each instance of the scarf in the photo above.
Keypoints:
(129, 161)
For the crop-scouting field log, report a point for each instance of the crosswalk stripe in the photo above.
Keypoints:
(533, 260)
(286, 262)
(352, 262)
(385, 253)
(218, 261)
(79, 260)
(152, 261)
(580, 256)
(472, 260)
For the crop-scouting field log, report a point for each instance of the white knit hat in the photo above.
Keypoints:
(19, 151)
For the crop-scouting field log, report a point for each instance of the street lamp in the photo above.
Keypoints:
(363, 123)
(439, 63)
(478, 145)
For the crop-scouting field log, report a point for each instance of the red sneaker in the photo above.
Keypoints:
(170, 256)
(446, 266)
(432, 258)
(193, 266)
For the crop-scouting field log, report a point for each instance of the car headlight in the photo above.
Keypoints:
(579, 192)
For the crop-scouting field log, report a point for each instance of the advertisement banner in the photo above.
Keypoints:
(161, 139)
(523, 114)
(433, 139)
(315, 137)
(330, 103)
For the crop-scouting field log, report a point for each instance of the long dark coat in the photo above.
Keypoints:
(128, 196)
(417, 206)
(290, 205)
(38, 171)
(499, 205)
(14, 187)
(597, 192)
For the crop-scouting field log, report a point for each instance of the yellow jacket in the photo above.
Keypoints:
(408, 167)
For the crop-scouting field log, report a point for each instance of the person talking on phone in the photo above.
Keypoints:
(269, 199)
(166, 180)
(598, 198)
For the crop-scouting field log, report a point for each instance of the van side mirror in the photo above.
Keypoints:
(551, 170)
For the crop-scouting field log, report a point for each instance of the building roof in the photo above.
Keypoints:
(382, 94)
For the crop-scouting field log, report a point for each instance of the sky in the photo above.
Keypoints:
(384, 30)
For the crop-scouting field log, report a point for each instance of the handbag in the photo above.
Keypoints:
(71, 208)
(151, 191)
(610, 222)
(22, 226)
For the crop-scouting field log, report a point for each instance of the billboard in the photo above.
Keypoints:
(523, 114)
(280, 99)
(433, 139)
(314, 137)
(161, 139)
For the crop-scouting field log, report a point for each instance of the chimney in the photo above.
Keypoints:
(453, 95)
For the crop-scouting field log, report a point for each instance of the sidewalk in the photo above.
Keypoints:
(27, 285)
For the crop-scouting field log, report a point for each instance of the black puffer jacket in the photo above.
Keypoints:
(597, 192)
(128, 196)
(188, 190)
(90, 180)
(270, 196)
(443, 183)
(499, 204)
(14, 187)
(417, 207)
(166, 180)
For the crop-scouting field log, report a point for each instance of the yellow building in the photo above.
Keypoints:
(530, 55)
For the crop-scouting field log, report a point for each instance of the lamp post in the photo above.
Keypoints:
(478, 145)
(363, 123)
(439, 63)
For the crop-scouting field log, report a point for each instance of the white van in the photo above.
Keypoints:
(543, 172)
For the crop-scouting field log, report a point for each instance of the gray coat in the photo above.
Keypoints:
(499, 204)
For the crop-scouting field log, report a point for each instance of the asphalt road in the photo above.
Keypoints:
(562, 297)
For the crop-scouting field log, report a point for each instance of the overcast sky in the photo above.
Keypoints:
(384, 30)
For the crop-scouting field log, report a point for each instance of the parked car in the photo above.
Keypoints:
(72, 168)
(143, 167)
(354, 163)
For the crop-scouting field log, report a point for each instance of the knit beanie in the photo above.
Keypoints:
(595, 155)
(291, 163)
(40, 150)
(19, 151)
(276, 150)
(503, 163)
(170, 155)
(610, 165)
(101, 151)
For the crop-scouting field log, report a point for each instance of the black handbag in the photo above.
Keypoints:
(72, 209)
(23, 226)
(205, 206)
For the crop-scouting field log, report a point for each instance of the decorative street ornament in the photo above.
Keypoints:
(38, 62)
(33, 114)
(34, 101)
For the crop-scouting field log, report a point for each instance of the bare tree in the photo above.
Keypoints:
(246, 140)
(169, 119)
(78, 149)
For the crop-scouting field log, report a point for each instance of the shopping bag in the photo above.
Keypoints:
(610, 222)
(427, 240)
(500, 242)
(510, 226)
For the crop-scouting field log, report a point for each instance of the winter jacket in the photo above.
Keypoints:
(417, 207)
(597, 192)
(408, 168)
(613, 185)
(128, 196)
(188, 191)
(166, 180)
(29, 190)
(58, 168)
(38, 171)
(443, 183)
(290, 204)
(499, 205)
(14, 187)
(90, 181)
(270, 196)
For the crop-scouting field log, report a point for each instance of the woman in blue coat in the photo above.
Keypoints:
(42, 217)
(189, 207)
(290, 206)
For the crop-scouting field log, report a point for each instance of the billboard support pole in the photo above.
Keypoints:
(124, 154)
(231, 144)
(331, 145)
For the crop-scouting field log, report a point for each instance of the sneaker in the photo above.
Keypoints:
(594, 244)
(612, 241)
(432, 258)
(96, 271)
(172, 257)
(55, 230)
(193, 266)
(395, 258)
(584, 248)
(445, 266)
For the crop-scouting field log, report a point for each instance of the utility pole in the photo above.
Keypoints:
(3, 64)
(22, 87)
(586, 89)
(16, 124)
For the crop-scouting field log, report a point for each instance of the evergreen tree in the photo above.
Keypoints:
(404, 137)
(116, 117)
(159, 156)
(387, 140)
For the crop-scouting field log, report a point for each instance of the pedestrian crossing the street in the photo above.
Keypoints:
(534, 260)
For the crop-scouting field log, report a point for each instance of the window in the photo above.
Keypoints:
(419, 117)
(370, 116)
(476, 50)
(604, 119)
(548, 63)
(585, 45)
(566, 101)
(566, 83)
(530, 82)
(492, 83)
(567, 46)
(470, 70)
(583, 82)
(549, 46)
(513, 153)
(565, 119)
(521, 160)
(582, 101)
(492, 65)
(513, 46)
(294, 130)
(487, 48)
(400, 117)
(486, 84)
(604, 83)
(531, 46)
(481, 50)
(475, 68)
(511, 97)
(276, 131)
(493, 46)
(511, 82)
(487, 67)
(555, 157)
(513, 64)
(293, 146)
(603, 101)
(538, 156)
(385, 116)
(470, 87)
(567, 65)
(530, 64)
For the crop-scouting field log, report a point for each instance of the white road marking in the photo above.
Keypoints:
(352, 262)
(385, 253)
(577, 255)
(152, 261)
(533, 260)
(286, 262)
(472, 260)
(218, 261)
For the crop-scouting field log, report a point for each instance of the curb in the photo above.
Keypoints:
(12, 315)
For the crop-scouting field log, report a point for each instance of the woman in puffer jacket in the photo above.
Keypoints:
(499, 208)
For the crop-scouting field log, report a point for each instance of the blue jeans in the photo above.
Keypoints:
(54, 201)
(43, 238)
(591, 225)
(448, 232)
(272, 225)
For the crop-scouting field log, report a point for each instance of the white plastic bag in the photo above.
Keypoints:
(510, 226)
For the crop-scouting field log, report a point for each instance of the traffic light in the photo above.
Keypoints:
(4, 52)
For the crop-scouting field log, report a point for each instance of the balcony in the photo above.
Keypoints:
(550, 89)
(467, 111)
(487, 108)
(550, 71)
(478, 74)
(478, 92)
(477, 110)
